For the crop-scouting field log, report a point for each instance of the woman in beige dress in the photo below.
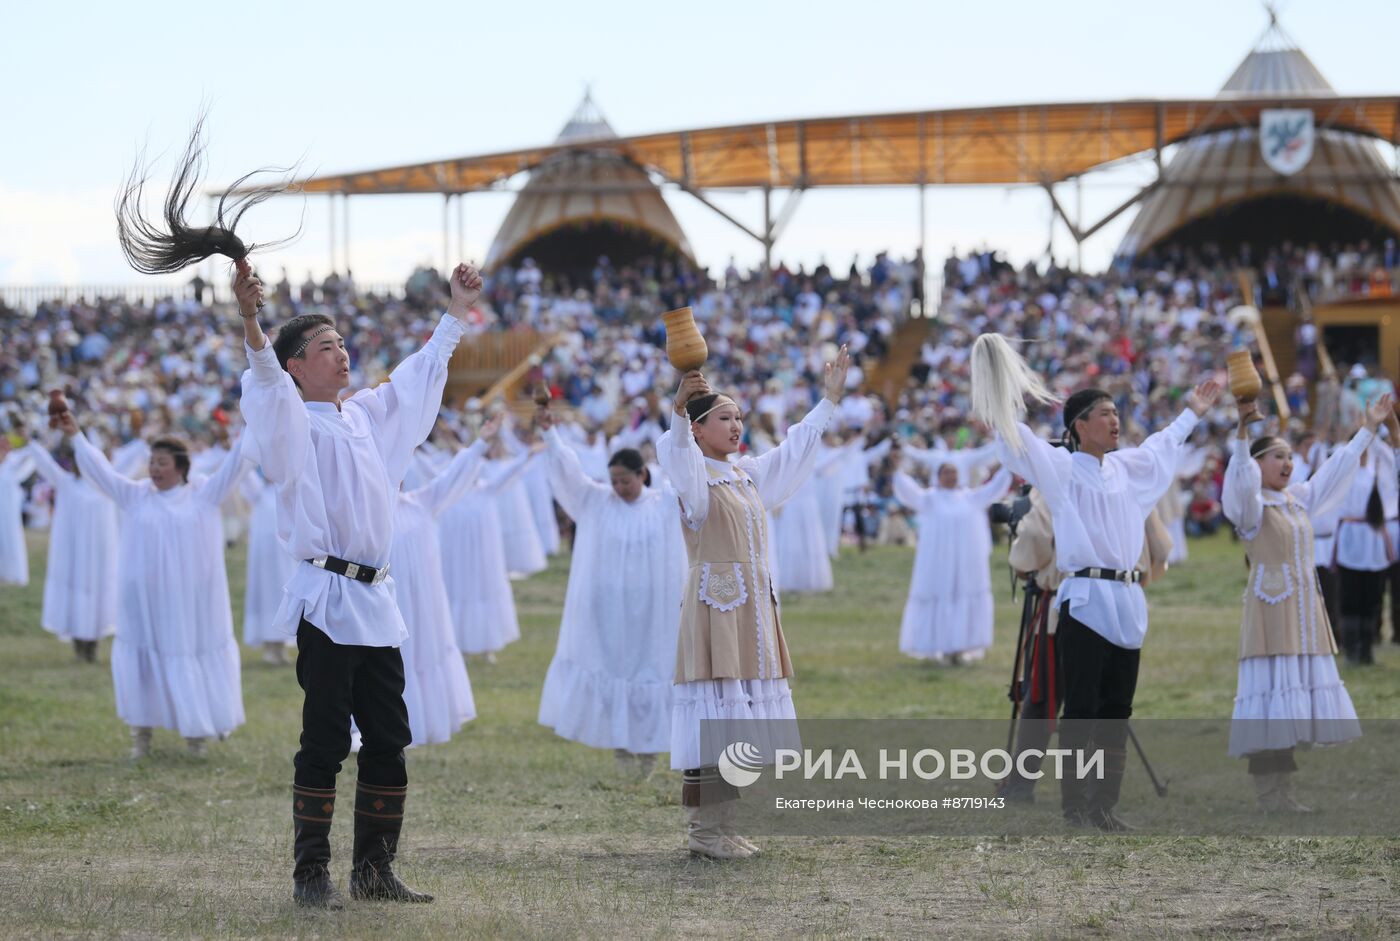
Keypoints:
(1289, 692)
(731, 660)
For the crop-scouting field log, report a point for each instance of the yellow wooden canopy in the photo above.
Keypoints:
(1014, 144)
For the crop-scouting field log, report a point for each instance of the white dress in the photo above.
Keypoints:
(436, 690)
(174, 661)
(14, 556)
(1283, 700)
(542, 506)
(609, 684)
(80, 584)
(269, 565)
(524, 550)
(804, 559)
(474, 562)
(950, 609)
(830, 491)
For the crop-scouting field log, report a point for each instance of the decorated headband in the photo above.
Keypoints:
(1278, 445)
(307, 338)
(721, 401)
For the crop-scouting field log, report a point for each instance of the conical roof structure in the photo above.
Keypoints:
(1218, 187)
(585, 202)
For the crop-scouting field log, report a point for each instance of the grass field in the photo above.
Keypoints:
(520, 834)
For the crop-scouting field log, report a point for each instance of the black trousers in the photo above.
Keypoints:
(1327, 581)
(343, 681)
(1361, 593)
(1100, 679)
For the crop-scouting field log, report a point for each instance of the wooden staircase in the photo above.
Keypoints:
(887, 377)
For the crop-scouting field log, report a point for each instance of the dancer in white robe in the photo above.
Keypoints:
(609, 684)
(950, 611)
(80, 583)
(436, 689)
(525, 554)
(804, 562)
(15, 468)
(174, 661)
(270, 567)
(474, 563)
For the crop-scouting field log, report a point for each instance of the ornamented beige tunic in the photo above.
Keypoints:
(732, 660)
(1289, 691)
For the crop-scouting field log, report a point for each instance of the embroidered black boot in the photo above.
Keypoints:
(378, 820)
(312, 809)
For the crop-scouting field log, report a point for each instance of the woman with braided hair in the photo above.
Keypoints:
(1289, 692)
(732, 659)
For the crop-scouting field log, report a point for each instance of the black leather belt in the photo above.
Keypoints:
(360, 573)
(1112, 575)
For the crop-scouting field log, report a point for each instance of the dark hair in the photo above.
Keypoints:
(151, 250)
(1375, 508)
(1077, 406)
(178, 451)
(701, 404)
(631, 459)
(1263, 444)
(291, 334)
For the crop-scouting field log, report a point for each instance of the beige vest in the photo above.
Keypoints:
(729, 612)
(1283, 610)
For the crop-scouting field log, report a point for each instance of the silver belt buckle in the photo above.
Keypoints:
(352, 570)
(319, 561)
(380, 575)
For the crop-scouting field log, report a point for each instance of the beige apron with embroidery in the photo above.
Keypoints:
(729, 614)
(1283, 609)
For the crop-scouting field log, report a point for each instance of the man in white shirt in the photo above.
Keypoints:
(337, 466)
(1099, 498)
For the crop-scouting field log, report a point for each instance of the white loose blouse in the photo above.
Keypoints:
(337, 470)
(1098, 511)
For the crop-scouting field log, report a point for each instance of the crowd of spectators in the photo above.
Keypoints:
(1146, 332)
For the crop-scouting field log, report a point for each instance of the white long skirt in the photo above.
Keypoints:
(804, 559)
(603, 710)
(1177, 528)
(269, 569)
(1289, 700)
(940, 627)
(474, 571)
(524, 553)
(767, 701)
(14, 555)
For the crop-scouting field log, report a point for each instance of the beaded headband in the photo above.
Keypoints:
(307, 338)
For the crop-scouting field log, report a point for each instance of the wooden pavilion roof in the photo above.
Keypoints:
(1007, 145)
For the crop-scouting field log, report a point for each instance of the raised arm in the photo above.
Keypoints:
(680, 456)
(572, 487)
(44, 465)
(18, 464)
(782, 470)
(91, 461)
(908, 492)
(1327, 488)
(993, 490)
(499, 478)
(1152, 465)
(455, 480)
(402, 411)
(1243, 497)
(1042, 464)
(217, 485)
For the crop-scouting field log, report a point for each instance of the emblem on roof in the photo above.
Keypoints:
(1286, 139)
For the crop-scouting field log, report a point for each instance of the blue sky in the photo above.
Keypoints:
(354, 85)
